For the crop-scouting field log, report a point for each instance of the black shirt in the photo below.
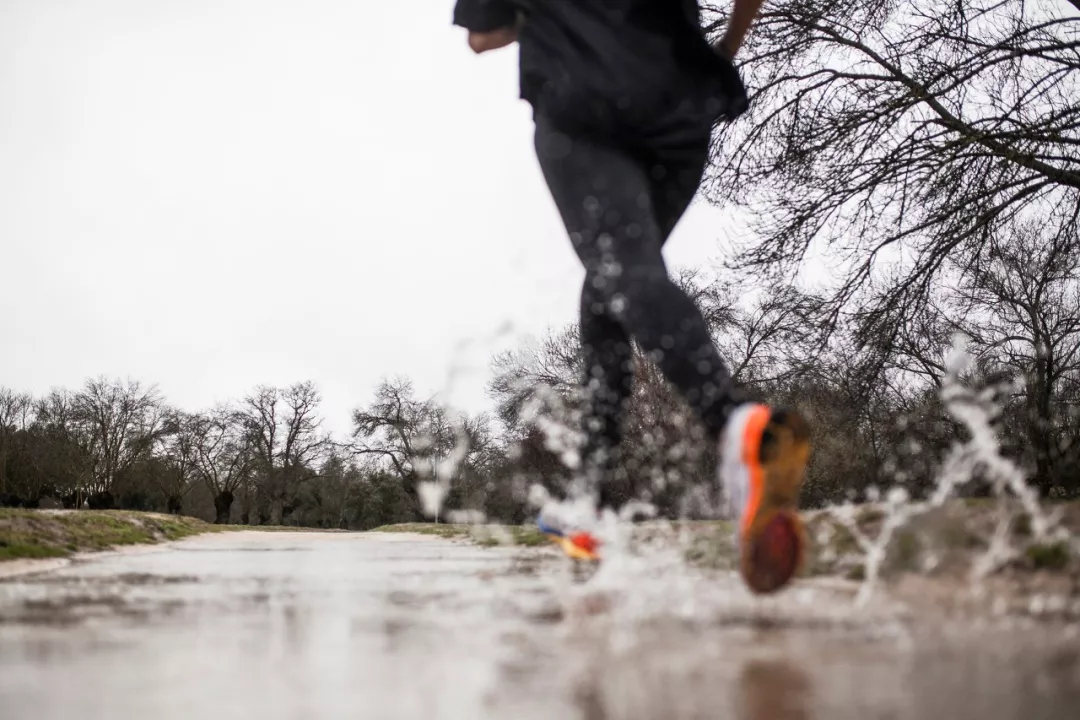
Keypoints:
(621, 60)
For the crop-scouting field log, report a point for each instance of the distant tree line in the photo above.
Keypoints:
(877, 416)
(927, 153)
(263, 459)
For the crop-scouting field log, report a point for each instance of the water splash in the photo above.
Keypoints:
(546, 410)
(978, 456)
(432, 492)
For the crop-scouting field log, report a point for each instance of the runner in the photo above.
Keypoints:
(625, 94)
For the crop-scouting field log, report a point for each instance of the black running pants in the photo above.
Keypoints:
(619, 201)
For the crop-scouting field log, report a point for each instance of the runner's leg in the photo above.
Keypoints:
(605, 197)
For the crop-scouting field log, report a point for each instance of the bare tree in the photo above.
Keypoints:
(262, 426)
(224, 456)
(904, 133)
(420, 440)
(395, 429)
(329, 495)
(62, 457)
(769, 338)
(472, 464)
(537, 393)
(121, 420)
(178, 446)
(551, 364)
(15, 412)
(304, 439)
(286, 437)
(1021, 308)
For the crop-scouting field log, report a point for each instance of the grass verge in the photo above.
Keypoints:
(50, 533)
(37, 534)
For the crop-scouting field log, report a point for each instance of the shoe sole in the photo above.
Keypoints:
(775, 452)
(573, 550)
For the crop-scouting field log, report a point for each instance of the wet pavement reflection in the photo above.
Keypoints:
(292, 625)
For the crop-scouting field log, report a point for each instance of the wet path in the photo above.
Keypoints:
(292, 626)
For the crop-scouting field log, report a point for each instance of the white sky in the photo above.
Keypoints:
(214, 194)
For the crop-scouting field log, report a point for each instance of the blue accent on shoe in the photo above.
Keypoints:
(545, 528)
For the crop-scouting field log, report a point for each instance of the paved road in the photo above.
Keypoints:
(298, 626)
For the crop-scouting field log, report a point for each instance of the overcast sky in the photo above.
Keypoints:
(214, 194)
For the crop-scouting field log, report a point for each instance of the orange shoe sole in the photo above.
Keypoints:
(776, 450)
(580, 546)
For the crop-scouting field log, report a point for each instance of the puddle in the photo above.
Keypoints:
(420, 628)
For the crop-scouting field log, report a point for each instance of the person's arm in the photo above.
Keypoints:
(742, 17)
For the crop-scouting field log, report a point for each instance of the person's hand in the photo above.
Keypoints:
(480, 42)
(494, 39)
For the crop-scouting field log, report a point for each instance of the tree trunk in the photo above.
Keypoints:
(245, 507)
(1039, 427)
(277, 510)
(223, 506)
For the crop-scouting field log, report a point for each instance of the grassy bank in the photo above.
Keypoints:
(46, 534)
(59, 533)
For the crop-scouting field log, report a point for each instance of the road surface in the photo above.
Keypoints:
(384, 626)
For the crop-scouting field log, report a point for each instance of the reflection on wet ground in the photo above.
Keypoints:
(380, 626)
